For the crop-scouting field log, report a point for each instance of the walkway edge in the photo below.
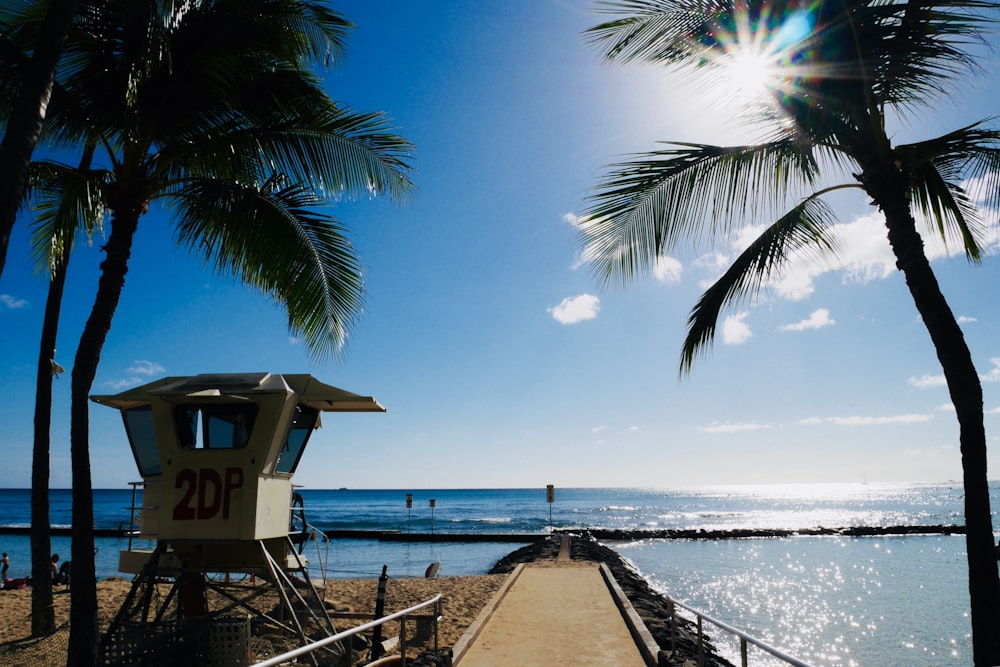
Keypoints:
(648, 647)
(473, 631)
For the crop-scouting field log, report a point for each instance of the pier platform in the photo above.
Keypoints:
(558, 612)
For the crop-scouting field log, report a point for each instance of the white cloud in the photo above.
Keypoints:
(927, 381)
(994, 411)
(732, 428)
(123, 383)
(668, 270)
(586, 254)
(665, 269)
(713, 261)
(867, 421)
(598, 429)
(935, 453)
(864, 255)
(963, 319)
(140, 371)
(12, 303)
(978, 188)
(146, 368)
(734, 330)
(576, 309)
(714, 264)
(817, 320)
(993, 375)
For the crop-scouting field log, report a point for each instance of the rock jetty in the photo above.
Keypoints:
(650, 605)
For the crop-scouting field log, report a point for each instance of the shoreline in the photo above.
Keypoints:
(463, 598)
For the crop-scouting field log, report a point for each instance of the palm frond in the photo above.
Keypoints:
(803, 229)
(917, 47)
(65, 201)
(326, 32)
(643, 207)
(657, 31)
(972, 157)
(273, 240)
(938, 167)
(341, 152)
(947, 207)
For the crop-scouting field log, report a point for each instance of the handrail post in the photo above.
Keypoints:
(402, 639)
(437, 615)
(701, 644)
(131, 512)
(743, 651)
(673, 627)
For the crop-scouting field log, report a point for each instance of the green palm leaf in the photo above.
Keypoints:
(281, 246)
(804, 229)
(643, 207)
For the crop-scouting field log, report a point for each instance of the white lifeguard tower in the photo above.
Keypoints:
(217, 454)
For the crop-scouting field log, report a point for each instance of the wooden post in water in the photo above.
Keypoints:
(550, 496)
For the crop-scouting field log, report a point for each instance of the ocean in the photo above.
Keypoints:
(830, 601)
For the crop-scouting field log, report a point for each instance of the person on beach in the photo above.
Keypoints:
(54, 570)
(4, 566)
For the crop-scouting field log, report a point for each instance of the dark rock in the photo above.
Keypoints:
(441, 658)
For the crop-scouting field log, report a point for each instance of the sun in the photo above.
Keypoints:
(750, 75)
(756, 59)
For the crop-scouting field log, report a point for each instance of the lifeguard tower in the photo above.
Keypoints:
(217, 454)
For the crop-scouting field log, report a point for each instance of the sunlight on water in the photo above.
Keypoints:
(817, 600)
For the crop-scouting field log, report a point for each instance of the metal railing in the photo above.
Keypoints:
(401, 616)
(744, 637)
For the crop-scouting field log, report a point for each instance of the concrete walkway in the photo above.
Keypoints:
(554, 613)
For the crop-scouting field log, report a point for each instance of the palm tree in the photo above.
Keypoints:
(836, 68)
(206, 109)
(56, 224)
(32, 87)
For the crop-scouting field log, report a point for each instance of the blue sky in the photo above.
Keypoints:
(501, 360)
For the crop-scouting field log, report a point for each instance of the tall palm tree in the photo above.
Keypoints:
(56, 223)
(207, 110)
(835, 69)
(32, 87)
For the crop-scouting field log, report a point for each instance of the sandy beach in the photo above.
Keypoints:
(462, 598)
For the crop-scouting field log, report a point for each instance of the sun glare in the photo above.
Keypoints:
(757, 59)
(750, 75)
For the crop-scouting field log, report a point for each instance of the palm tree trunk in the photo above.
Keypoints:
(25, 122)
(83, 635)
(966, 393)
(43, 620)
